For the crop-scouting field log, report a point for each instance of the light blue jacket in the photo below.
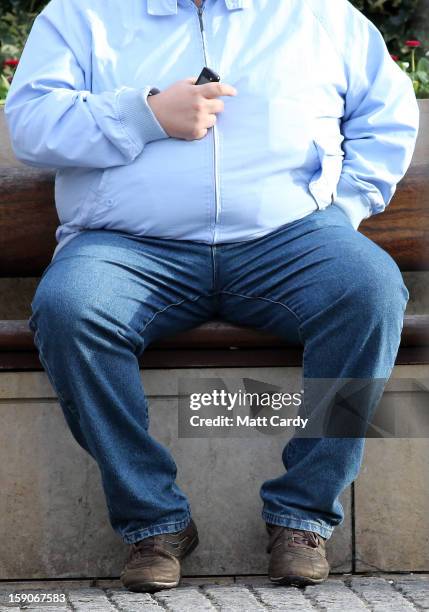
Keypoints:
(323, 115)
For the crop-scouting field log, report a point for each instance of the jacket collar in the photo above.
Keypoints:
(169, 7)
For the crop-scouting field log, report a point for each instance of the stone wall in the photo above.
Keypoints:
(54, 522)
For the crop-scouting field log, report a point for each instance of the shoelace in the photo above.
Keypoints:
(306, 538)
(295, 538)
(139, 548)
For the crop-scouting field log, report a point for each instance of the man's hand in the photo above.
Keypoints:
(186, 110)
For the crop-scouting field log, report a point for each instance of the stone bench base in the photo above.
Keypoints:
(54, 522)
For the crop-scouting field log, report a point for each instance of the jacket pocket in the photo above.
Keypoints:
(323, 184)
(290, 132)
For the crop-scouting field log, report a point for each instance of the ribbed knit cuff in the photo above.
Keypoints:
(138, 118)
(352, 201)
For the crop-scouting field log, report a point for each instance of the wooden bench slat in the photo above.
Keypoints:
(210, 358)
(15, 335)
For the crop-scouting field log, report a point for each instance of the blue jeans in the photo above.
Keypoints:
(107, 295)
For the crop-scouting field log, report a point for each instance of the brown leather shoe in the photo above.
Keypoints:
(154, 563)
(298, 557)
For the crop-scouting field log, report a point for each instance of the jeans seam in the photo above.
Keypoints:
(46, 367)
(287, 452)
(179, 303)
(154, 527)
(266, 299)
(214, 266)
(320, 525)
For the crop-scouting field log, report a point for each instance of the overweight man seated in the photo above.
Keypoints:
(238, 200)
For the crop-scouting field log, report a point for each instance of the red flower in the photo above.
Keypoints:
(394, 57)
(12, 62)
(413, 43)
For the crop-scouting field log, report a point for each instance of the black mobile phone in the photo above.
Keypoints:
(207, 76)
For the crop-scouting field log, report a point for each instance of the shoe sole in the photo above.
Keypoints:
(299, 581)
(149, 587)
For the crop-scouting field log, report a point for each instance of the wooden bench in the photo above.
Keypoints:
(28, 222)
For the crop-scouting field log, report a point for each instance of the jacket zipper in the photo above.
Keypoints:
(215, 135)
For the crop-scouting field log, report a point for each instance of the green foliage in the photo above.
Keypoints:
(398, 20)
(4, 86)
(29, 6)
(16, 19)
(419, 76)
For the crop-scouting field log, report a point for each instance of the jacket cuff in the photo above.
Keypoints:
(137, 117)
(352, 201)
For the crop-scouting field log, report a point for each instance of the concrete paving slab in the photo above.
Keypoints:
(391, 507)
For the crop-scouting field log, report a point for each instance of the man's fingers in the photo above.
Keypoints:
(215, 105)
(198, 134)
(213, 90)
(192, 80)
(211, 120)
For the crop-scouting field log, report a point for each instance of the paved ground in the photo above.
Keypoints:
(379, 593)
